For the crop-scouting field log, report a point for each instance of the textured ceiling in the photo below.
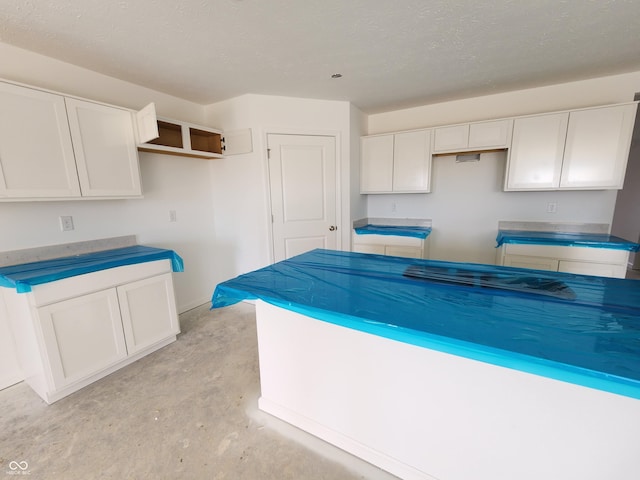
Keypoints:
(391, 54)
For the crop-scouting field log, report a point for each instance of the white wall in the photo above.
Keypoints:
(467, 200)
(169, 183)
(240, 183)
(358, 202)
(585, 93)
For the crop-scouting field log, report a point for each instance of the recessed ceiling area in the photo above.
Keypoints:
(391, 54)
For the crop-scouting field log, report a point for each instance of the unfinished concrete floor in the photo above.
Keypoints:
(188, 411)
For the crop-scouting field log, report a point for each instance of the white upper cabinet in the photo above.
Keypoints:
(36, 154)
(57, 147)
(174, 137)
(472, 136)
(535, 156)
(412, 162)
(376, 165)
(597, 147)
(578, 150)
(396, 163)
(105, 149)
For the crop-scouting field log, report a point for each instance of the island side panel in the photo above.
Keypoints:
(423, 414)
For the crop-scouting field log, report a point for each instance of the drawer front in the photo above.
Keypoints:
(92, 282)
(588, 268)
(387, 240)
(409, 252)
(588, 254)
(536, 263)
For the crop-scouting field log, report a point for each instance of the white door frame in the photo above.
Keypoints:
(265, 175)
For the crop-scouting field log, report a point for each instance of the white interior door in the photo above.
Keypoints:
(302, 176)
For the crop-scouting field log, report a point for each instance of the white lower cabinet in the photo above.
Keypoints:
(113, 318)
(82, 336)
(394, 245)
(603, 262)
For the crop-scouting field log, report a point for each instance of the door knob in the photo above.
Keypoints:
(332, 228)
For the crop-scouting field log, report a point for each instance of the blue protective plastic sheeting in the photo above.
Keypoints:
(23, 277)
(402, 231)
(598, 240)
(578, 329)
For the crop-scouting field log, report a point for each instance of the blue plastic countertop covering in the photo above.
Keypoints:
(579, 329)
(22, 277)
(402, 231)
(598, 240)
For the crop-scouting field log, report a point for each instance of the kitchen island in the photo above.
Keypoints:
(451, 371)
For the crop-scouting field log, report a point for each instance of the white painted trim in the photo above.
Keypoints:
(342, 441)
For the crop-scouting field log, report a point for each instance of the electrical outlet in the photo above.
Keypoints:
(393, 207)
(66, 223)
(552, 207)
(172, 216)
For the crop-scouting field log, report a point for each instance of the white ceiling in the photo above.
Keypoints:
(392, 54)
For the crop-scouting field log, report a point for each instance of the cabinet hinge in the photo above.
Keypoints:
(269, 153)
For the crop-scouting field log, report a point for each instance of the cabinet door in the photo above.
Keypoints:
(36, 156)
(400, 251)
(597, 147)
(412, 161)
(365, 248)
(82, 336)
(376, 167)
(148, 312)
(598, 269)
(537, 263)
(535, 156)
(489, 134)
(105, 148)
(449, 139)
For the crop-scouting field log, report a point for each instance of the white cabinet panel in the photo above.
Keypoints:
(105, 149)
(472, 136)
(396, 163)
(82, 336)
(376, 168)
(74, 331)
(412, 162)
(36, 154)
(396, 245)
(588, 268)
(148, 311)
(537, 263)
(582, 149)
(597, 147)
(535, 156)
(490, 134)
(605, 262)
(448, 139)
(398, 251)
(364, 248)
(10, 371)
